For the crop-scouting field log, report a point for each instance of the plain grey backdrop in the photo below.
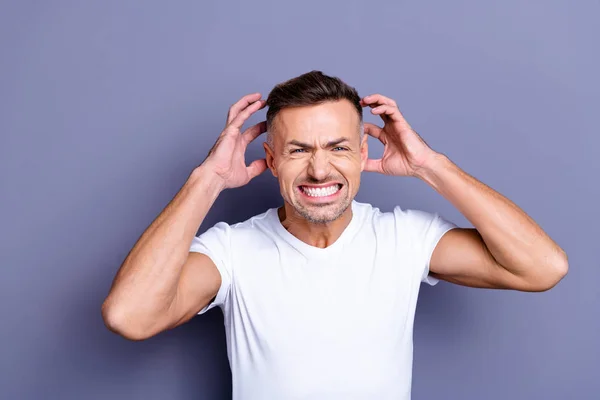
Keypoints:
(107, 106)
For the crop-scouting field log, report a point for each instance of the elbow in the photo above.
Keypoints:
(553, 274)
(562, 267)
(116, 321)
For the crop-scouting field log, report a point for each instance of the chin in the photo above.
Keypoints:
(320, 217)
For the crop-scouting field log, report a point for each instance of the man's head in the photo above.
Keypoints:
(315, 144)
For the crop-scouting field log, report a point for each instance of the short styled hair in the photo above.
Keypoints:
(311, 88)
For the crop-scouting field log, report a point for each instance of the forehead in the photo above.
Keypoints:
(330, 119)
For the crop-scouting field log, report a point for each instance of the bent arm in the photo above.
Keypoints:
(148, 295)
(507, 249)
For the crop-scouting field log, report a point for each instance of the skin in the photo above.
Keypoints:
(161, 285)
(506, 249)
(317, 146)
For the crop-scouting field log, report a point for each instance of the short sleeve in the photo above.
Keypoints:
(426, 230)
(215, 243)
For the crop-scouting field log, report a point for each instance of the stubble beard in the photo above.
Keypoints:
(322, 214)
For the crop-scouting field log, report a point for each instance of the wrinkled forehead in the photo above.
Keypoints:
(316, 123)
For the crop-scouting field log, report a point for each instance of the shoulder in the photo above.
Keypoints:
(369, 213)
(403, 221)
(372, 221)
(224, 230)
(253, 225)
(414, 218)
(366, 212)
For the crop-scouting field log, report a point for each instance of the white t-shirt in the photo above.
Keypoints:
(303, 322)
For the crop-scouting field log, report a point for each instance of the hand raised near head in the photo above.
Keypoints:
(227, 157)
(405, 153)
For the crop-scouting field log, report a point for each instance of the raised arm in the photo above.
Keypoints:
(161, 284)
(506, 250)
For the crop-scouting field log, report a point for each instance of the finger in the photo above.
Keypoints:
(374, 165)
(383, 109)
(239, 120)
(373, 130)
(244, 102)
(387, 111)
(253, 132)
(256, 168)
(377, 99)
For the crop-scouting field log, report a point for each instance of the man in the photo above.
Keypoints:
(319, 295)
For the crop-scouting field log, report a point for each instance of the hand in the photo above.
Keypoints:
(404, 153)
(227, 157)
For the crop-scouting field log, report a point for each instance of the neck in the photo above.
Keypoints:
(317, 235)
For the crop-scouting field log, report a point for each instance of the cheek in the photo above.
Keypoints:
(349, 168)
(290, 171)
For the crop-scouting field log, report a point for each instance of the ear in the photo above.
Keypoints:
(364, 152)
(269, 156)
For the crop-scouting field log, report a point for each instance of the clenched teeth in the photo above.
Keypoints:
(320, 192)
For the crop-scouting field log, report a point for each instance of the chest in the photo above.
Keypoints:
(344, 301)
(345, 321)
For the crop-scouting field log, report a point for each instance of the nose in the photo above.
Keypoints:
(319, 166)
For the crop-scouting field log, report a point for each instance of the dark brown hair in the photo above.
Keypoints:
(311, 88)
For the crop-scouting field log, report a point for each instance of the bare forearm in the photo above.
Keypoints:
(146, 283)
(515, 240)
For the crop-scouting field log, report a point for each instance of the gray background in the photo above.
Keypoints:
(106, 107)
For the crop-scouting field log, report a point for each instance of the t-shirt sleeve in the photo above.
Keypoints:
(215, 243)
(426, 230)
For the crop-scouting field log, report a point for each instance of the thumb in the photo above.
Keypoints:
(373, 165)
(256, 168)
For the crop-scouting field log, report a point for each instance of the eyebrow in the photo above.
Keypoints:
(309, 146)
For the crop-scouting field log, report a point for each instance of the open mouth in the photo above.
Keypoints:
(321, 191)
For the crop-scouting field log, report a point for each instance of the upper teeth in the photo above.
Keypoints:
(318, 192)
